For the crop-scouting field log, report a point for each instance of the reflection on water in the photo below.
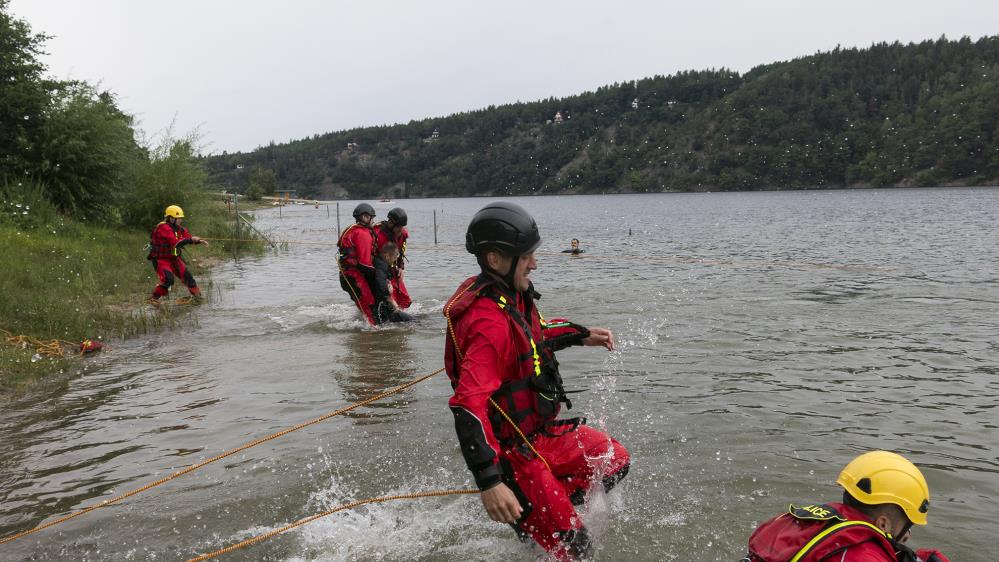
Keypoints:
(373, 361)
(765, 339)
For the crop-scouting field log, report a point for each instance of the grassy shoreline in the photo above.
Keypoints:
(72, 281)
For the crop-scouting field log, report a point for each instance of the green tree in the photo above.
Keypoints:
(24, 94)
(85, 152)
(263, 181)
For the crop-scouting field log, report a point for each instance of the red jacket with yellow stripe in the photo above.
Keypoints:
(815, 533)
(499, 355)
(167, 240)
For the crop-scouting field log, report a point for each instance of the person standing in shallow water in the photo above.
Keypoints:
(356, 260)
(386, 308)
(499, 354)
(884, 495)
(165, 246)
(393, 230)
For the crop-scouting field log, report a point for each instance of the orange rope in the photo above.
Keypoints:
(50, 348)
(229, 453)
(312, 518)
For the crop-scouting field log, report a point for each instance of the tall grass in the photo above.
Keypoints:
(79, 194)
(69, 280)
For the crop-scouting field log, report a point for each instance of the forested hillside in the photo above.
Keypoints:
(888, 115)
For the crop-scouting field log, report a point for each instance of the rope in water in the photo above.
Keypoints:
(219, 457)
(311, 518)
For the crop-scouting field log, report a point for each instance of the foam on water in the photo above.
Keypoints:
(449, 528)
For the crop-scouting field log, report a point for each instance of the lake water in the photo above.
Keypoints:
(765, 339)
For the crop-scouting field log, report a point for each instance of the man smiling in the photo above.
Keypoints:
(500, 356)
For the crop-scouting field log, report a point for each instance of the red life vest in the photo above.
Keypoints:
(533, 399)
(163, 241)
(347, 245)
(810, 533)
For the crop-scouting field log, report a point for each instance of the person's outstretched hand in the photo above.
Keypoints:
(600, 336)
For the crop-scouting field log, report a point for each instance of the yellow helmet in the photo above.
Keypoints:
(174, 211)
(882, 477)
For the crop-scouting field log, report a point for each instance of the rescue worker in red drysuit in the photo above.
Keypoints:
(165, 245)
(499, 354)
(883, 496)
(394, 230)
(355, 259)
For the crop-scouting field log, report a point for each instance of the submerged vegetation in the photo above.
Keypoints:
(889, 115)
(79, 193)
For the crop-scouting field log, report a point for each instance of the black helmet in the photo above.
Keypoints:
(505, 227)
(398, 216)
(362, 209)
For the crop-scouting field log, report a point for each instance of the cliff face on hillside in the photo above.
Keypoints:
(889, 115)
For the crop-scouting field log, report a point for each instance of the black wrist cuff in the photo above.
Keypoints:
(487, 477)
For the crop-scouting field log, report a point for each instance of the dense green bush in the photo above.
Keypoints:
(86, 152)
(69, 146)
(170, 176)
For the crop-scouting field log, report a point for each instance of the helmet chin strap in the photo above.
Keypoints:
(507, 278)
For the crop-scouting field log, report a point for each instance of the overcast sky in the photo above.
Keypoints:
(245, 73)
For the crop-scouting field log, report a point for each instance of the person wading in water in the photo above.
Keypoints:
(387, 309)
(165, 246)
(356, 260)
(531, 468)
(394, 231)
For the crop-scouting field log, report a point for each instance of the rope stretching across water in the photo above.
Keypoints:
(228, 453)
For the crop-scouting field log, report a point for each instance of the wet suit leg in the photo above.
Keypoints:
(185, 274)
(165, 271)
(551, 519)
(591, 455)
(356, 285)
(383, 313)
(401, 294)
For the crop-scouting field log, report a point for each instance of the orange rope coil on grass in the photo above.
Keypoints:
(45, 348)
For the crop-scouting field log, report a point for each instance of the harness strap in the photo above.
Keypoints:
(447, 314)
(560, 393)
(825, 533)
